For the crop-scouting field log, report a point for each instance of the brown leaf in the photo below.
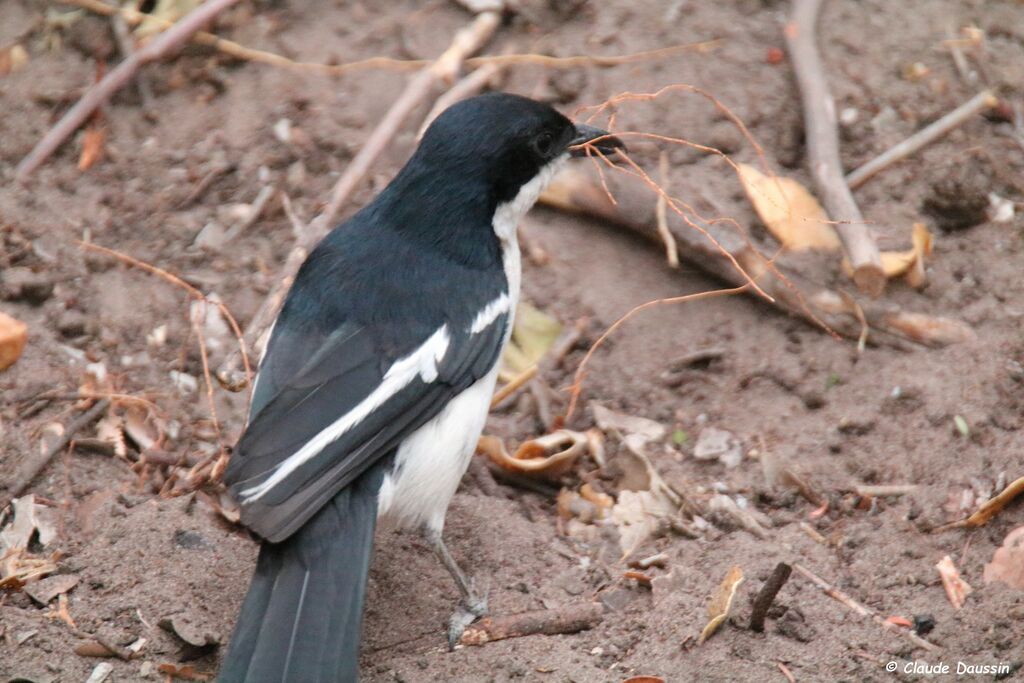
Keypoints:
(909, 264)
(789, 211)
(721, 602)
(186, 672)
(644, 679)
(549, 456)
(142, 426)
(1007, 563)
(12, 58)
(92, 145)
(638, 514)
(957, 589)
(13, 335)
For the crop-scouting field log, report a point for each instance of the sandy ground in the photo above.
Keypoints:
(885, 416)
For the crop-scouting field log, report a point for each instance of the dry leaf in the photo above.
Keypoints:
(644, 679)
(47, 589)
(609, 420)
(92, 145)
(909, 264)
(111, 430)
(751, 520)
(533, 333)
(1007, 563)
(12, 58)
(548, 456)
(957, 589)
(718, 444)
(142, 426)
(13, 335)
(186, 672)
(721, 602)
(789, 211)
(638, 514)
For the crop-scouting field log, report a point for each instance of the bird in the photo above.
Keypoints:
(376, 381)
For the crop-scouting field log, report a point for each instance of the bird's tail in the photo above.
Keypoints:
(302, 617)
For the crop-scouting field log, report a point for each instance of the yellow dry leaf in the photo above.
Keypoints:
(957, 589)
(721, 602)
(549, 456)
(533, 333)
(789, 211)
(13, 335)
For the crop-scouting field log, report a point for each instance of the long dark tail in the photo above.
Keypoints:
(302, 618)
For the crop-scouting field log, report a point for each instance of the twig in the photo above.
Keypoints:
(571, 619)
(514, 385)
(766, 596)
(118, 77)
(966, 111)
(124, 43)
(466, 42)
(785, 672)
(841, 597)
(467, 87)
(823, 149)
(661, 212)
(36, 463)
(580, 191)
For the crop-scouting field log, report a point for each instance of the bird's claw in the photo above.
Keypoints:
(468, 611)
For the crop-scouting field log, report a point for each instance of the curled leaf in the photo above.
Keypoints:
(789, 211)
(721, 602)
(548, 456)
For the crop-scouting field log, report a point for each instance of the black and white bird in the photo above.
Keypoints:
(377, 379)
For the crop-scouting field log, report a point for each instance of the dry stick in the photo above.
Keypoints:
(580, 190)
(124, 43)
(841, 597)
(238, 51)
(467, 87)
(823, 149)
(466, 42)
(966, 111)
(118, 77)
(35, 464)
(571, 619)
(766, 596)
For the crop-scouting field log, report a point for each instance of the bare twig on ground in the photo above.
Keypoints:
(766, 596)
(122, 74)
(823, 149)
(571, 619)
(35, 463)
(517, 382)
(445, 68)
(841, 597)
(885, 490)
(661, 212)
(581, 191)
(965, 112)
(124, 43)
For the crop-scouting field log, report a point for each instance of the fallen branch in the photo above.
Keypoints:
(445, 68)
(841, 597)
(766, 596)
(571, 619)
(35, 464)
(823, 150)
(121, 75)
(965, 112)
(580, 190)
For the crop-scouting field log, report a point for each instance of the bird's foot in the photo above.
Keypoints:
(471, 608)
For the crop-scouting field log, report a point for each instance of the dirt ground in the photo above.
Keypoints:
(885, 416)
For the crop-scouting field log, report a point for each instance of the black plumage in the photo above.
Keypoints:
(394, 315)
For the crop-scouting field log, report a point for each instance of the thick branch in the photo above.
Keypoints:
(580, 190)
(823, 149)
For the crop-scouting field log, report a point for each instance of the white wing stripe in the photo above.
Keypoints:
(420, 363)
(489, 313)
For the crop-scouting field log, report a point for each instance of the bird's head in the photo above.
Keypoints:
(508, 141)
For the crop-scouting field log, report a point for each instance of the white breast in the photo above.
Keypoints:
(431, 461)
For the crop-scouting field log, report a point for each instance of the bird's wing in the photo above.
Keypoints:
(350, 403)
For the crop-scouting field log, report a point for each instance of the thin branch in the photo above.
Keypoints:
(823, 149)
(121, 75)
(965, 112)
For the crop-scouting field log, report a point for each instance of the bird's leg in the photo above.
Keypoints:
(473, 606)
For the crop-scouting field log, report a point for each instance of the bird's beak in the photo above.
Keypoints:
(602, 140)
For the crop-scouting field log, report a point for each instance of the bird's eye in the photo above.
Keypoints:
(543, 144)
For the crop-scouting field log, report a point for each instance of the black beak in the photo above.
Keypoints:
(606, 143)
